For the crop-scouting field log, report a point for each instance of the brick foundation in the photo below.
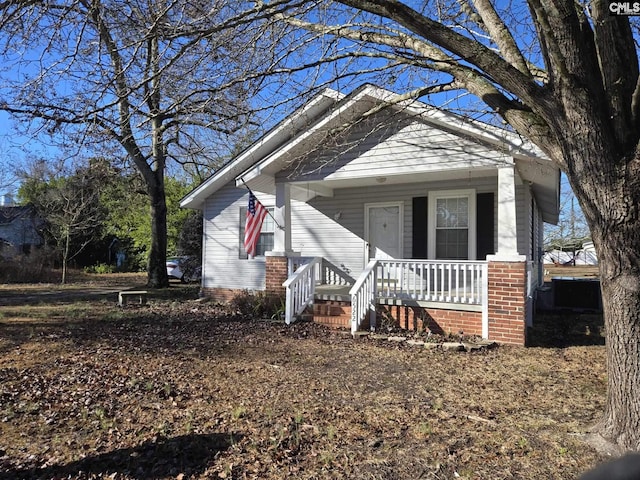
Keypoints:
(222, 295)
(333, 314)
(438, 321)
(507, 302)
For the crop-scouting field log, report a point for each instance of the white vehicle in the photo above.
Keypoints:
(184, 269)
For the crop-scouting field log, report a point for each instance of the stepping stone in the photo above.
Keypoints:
(453, 346)
(397, 339)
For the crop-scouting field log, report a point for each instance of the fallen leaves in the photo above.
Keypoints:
(185, 390)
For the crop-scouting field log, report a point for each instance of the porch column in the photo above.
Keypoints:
(277, 260)
(276, 271)
(507, 220)
(507, 269)
(506, 307)
(282, 214)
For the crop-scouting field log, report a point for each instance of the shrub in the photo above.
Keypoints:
(32, 268)
(257, 305)
(100, 268)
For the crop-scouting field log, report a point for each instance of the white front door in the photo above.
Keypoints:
(383, 230)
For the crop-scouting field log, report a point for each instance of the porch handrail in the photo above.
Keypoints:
(461, 282)
(333, 275)
(363, 295)
(327, 274)
(300, 288)
(293, 263)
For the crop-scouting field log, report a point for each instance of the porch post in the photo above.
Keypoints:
(507, 269)
(282, 214)
(277, 261)
(506, 307)
(507, 220)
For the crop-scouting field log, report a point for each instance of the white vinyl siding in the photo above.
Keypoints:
(329, 227)
(222, 267)
(392, 144)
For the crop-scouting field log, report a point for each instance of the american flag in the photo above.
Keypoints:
(255, 216)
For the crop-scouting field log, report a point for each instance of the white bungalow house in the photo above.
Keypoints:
(385, 205)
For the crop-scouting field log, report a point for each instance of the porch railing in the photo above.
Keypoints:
(461, 282)
(304, 273)
(300, 288)
(363, 296)
(326, 274)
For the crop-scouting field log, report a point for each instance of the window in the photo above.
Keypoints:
(265, 243)
(452, 225)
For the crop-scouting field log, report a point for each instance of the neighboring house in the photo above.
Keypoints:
(406, 209)
(19, 229)
(585, 255)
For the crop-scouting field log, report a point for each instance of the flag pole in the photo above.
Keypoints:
(268, 212)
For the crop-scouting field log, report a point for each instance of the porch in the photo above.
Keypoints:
(430, 285)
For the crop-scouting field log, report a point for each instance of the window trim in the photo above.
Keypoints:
(470, 194)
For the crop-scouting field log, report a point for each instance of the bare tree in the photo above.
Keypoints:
(562, 74)
(571, 231)
(161, 81)
(69, 206)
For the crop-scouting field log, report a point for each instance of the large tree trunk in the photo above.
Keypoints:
(621, 300)
(157, 268)
(613, 212)
(619, 255)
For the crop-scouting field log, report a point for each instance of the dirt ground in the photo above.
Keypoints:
(184, 389)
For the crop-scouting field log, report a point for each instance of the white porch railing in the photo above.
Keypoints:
(460, 282)
(304, 273)
(327, 273)
(363, 296)
(300, 288)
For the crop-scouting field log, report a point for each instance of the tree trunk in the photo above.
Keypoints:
(613, 212)
(620, 284)
(65, 256)
(621, 421)
(157, 268)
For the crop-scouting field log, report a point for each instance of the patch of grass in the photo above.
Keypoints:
(238, 412)
(425, 429)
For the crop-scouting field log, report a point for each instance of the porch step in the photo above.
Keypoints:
(338, 293)
(332, 313)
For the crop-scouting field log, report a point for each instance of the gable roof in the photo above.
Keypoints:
(332, 111)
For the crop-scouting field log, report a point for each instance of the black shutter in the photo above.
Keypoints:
(242, 254)
(420, 207)
(485, 225)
